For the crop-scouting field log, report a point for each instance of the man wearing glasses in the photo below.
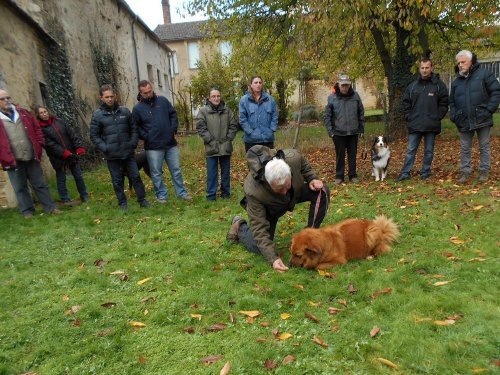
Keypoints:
(21, 142)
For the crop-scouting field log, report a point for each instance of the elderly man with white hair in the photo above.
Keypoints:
(474, 97)
(277, 180)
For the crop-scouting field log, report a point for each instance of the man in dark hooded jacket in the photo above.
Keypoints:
(425, 103)
(277, 180)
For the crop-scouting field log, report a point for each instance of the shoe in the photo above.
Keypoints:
(483, 176)
(232, 234)
(463, 178)
(161, 200)
(424, 177)
(124, 207)
(187, 197)
(85, 199)
(28, 215)
(354, 180)
(402, 178)
(70, 203)
(338, 181)
(144, 204)
(56, 211)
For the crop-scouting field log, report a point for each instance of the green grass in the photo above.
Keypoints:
(47, 267)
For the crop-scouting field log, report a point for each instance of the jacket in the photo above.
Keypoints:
(58, 138)
(33, 132)
(425, 103)
(474, 99)
(217, 127)
(262, 202)
(344, 114)
(259, 120)
(156, 121)
(114, 132)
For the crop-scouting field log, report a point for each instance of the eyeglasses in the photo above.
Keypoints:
(5, 98)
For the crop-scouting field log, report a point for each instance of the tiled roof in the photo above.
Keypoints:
(181, 31)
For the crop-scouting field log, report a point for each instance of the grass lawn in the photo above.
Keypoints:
(160, 291)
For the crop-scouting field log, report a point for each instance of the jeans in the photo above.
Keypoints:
(317, 212)
(343, 144)
(483, 135)
(413, 143)
(155, 161)
(118, 168)
(213, 176)
(30, 171)
(76, 171)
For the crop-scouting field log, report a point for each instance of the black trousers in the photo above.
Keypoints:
(343, 144)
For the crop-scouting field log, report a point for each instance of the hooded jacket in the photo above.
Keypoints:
(156, 121)
(34, 133)
(474, 98)
(262, 203)
(114, 132)
(344, 114)
(217, 127)
(425, 103)
(259, 120)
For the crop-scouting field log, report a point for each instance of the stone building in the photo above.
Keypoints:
(58, 52)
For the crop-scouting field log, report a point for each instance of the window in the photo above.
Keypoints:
(151, 77)
(174, 69)
(159, 78)
(193, 54)
(165, 79)
(226, 49)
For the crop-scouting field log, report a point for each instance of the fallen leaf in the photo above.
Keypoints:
(100, 263)
(145, 312)
(232, 319)
(211, 359)
(311, 317)
(288, 359)
(119, 272)
(335, 328)
(188, 329)
(456, 226)
(455, 317)
(284, 336)
(265, 324)
(137, 324)
(476, 260)
(108, 304)
(387, 363)
(73, 310)
(456, 240)
(143, 360)
(495, 362)
(250, 313)
(477, 208)
(196, 316)
(76, 322)
(298, 286)
(351, 289)
(421, 271)
(81, 266)
(447, 322)
(260, 340)
(333, 310)
(329, 275)
(65, 298)
(479, 370)
(217, 327)
(148, 299)
(314, 304)
(388, 269)
(381, 292)
(420, 320)
(140, 282)
(106, 332)
(318, 340)
(285, 316)
(226, 369)
(440, 283)
(343, 302)
(374, 332)
(270, 364)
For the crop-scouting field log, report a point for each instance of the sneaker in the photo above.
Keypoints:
(402, 178)
(354, 180)
(187, 197)
(232, 234)
(463, 178)
(56, 211)
(144, 204)
(338, 181)
(161, 200)
(483, 176)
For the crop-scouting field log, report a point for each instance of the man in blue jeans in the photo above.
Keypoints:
(157, 123)
(425, 103)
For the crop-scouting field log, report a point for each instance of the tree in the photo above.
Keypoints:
(357, 36)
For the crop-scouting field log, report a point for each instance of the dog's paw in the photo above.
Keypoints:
(377, 179)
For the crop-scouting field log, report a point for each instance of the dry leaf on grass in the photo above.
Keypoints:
(329, 275)
(288, 359)
(311, 317)
(270, 364)
(142, 360)
(211, 359)
(334, 310)
(285, 316)
(298, 286)
(284, 336)
(351, 289)
(447, 322)
(100, 263)
(196, 316)
(108, 304)
(73, 310)
(314, 304)
(250, 313)
(318, 340)
(380, 292)
(387, 363)
(137, 324)
(226, 369)
(343, 302)
(188, 329)
(440, 283)
(456, 240)
(375, 331)
(217, 327)
(143, 281)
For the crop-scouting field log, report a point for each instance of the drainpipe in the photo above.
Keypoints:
(171, 71)
(135, 50)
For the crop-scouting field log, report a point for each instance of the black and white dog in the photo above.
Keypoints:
(380, 157)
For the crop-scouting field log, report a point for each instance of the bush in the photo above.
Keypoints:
(309, 112)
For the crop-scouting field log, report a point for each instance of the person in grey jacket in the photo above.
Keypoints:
(217, 127)
(114, 133)
(425, 103)
(474, 97)
(344, 120)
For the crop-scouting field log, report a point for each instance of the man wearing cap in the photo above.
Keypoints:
(344, 120)
(21, 142)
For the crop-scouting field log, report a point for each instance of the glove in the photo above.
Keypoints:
(81, 151)
(66, 154)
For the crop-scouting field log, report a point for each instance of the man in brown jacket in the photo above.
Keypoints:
(277, 180)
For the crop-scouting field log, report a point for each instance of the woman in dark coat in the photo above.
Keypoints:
(63, 146)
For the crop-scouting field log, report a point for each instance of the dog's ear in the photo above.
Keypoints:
(314, 251)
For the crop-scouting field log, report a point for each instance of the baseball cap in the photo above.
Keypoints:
(344, 79)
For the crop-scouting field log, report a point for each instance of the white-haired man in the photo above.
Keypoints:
(474, 97)
(277, 180)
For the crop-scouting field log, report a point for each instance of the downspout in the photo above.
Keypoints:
(171, 71)
(135, 49)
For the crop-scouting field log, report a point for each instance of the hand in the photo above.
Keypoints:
(81, 151)
(316, 185)
(279, 266)
(66, 154)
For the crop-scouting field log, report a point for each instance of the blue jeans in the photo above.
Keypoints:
(118, 168)
(213, 176)
(483, 136)
(76, 171)
(155, 161)
(30, 171)
(413, 142)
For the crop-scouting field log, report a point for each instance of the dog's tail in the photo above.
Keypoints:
(382, 234)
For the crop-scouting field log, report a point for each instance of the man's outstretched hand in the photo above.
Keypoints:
(279, 266)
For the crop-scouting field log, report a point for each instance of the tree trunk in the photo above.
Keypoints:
(282, 105)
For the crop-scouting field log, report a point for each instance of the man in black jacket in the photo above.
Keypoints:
(425, 103)
(474, 97)
(114, 133)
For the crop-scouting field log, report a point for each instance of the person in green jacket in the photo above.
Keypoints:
(217, 127)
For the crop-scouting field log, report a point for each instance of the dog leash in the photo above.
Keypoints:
(318, 200)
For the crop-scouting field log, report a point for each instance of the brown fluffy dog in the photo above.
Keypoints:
(336, 244)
